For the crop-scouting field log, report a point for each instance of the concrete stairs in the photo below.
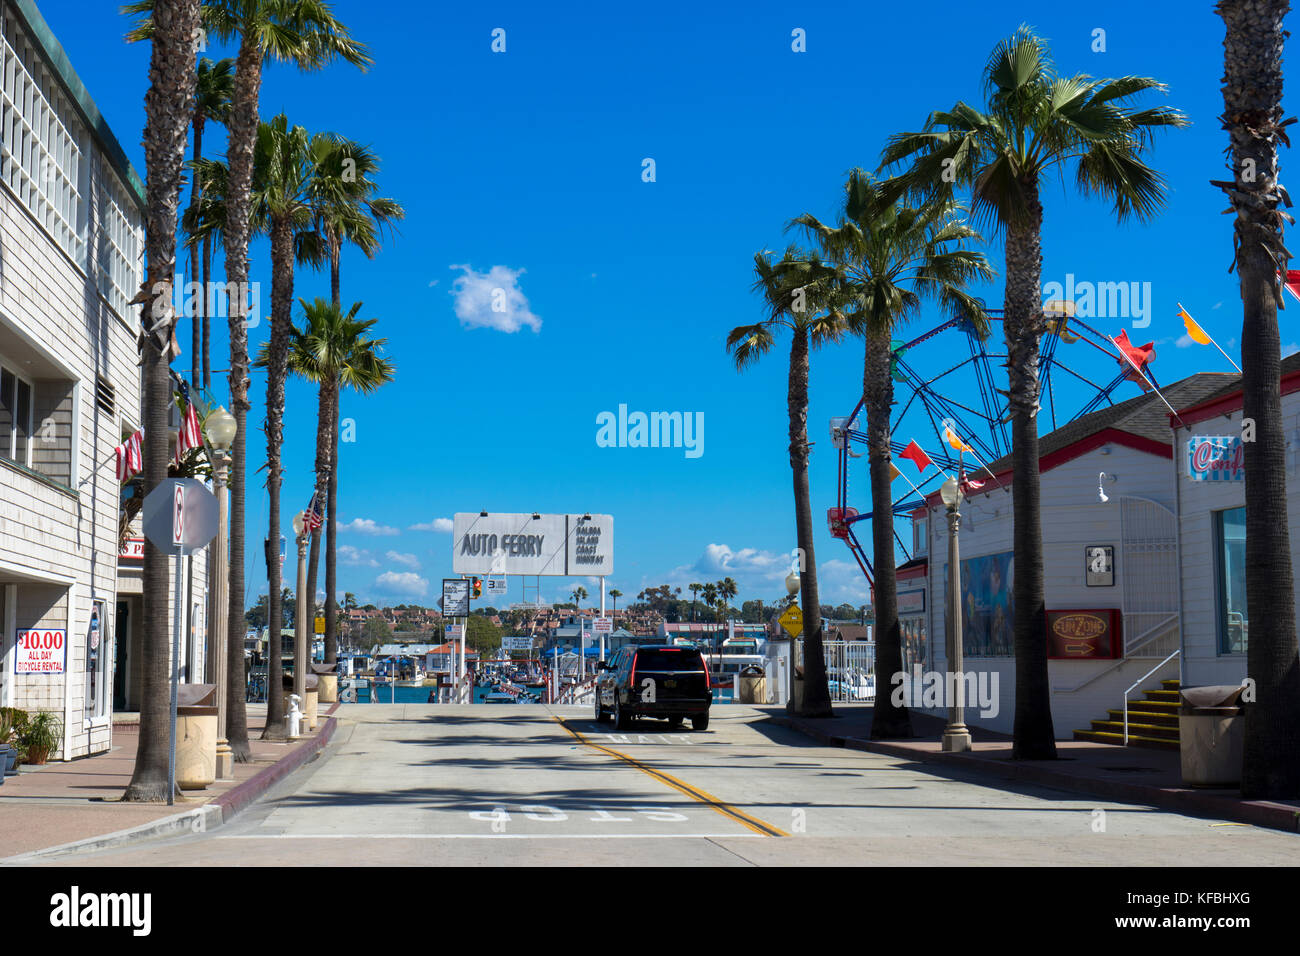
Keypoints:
(1152, 722)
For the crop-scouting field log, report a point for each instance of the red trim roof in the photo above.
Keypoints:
(1075, 450)
(1226, 404)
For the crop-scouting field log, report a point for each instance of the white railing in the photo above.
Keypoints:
(1139, 681)
(850, 670)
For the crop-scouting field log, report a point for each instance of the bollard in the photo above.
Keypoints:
(294, 717)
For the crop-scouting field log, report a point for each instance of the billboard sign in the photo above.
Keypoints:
(1216, 458)
(524, 643)
(559, 545)
(455, 597)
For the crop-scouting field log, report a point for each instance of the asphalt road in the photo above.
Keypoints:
(529, 784)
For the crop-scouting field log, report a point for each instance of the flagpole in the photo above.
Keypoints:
(1212, 340)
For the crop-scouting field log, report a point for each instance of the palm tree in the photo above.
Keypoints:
(615, 593)
(282, 179)
(797, 296)
(695, 590)
(727, 590)
(212, 92)
(886, 258)
(305, 33)
(579, 595)
(1253, 117)
(346, 209)
(167, 109)
(1035, 123)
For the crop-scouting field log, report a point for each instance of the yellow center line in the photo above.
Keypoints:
(695, 793)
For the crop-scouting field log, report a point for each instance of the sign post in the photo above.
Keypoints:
(179, 516)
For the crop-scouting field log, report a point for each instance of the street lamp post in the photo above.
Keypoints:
(956, 737)
(221, 434)
(300, 615)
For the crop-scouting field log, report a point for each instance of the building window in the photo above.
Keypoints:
(41, 160)
(121, 247)
(1230, 548)
(97, 659)
(15, 418)
(920, 535)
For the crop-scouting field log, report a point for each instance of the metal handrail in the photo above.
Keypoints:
(1140, 680)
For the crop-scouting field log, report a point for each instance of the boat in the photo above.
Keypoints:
(498, 698)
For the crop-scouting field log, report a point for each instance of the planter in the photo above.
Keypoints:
(37, 756)
(10, 768)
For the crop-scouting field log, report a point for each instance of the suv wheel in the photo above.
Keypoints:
(674, 723)
(700, 722)
(601, 715)
(622, 719)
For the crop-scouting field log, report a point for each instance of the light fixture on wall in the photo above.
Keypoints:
(1102, 478)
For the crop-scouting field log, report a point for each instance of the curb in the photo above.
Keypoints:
(216, 813)
(1274, 816)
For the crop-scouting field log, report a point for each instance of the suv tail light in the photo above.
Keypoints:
(631, 681)
(708, 682)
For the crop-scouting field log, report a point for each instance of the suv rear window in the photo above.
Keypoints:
(685, 659)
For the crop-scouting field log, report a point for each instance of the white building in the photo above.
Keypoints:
(1111, 567)
(71, 250)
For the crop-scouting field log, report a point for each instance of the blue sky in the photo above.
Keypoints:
(522, 170)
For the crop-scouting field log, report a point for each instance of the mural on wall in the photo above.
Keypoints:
(986, 605)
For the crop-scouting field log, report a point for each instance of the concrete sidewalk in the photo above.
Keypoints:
(1122, 774)
(65, 805)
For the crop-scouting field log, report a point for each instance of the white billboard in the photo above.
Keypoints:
(555, 545)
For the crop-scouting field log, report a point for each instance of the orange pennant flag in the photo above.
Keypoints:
(954, 442)
(893, 471)
(1194, 331)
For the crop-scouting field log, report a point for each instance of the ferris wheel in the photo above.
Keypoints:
(957, 416)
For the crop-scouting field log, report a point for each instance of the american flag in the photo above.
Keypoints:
(130, 460)
(191, 434)
(312, 517)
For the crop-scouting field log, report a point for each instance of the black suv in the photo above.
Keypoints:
(660, 681)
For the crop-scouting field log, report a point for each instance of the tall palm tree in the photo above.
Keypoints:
(1035, 124)
(615, 593)
(282, 180)
(695, 590)
(797, 297)
(579, 595)
(727, 591)
(307, 34)
(213, 89)
(886, 258)
(346, 210)
(167, 104)
(1253, 117)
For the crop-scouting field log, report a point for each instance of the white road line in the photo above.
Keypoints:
(490, 836)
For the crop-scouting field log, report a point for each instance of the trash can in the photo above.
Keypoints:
(328, 687)
(309, 701)
(196, 735)
(1211, 734)
(752, 685)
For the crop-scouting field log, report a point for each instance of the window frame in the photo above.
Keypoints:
(98, 683)
(9, 452)
(1222, 643)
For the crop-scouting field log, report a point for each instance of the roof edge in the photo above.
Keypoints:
(1231, 402)
(56, 59)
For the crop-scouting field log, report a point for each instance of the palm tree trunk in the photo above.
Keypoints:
(207, 321)
(332, 534)
(1034, 737)
(332, 485)
(277, 369)
(816, 695)
(242, 138)
(1252, 98)
(324, 421)
(196, 321)
(167, 106)
(888, 720)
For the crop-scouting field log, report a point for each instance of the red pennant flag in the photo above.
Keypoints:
(1135, 357)
(916, 456)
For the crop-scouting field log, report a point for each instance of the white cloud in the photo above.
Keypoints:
(406, 583)
(409, 560)
(1216, 305)
(492, 300)
(1184, 341)
(437, 525)
(357, 557)
(432, 283)
(368, 526)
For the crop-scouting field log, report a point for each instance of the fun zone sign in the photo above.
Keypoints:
(41, 651)
(1215, 458)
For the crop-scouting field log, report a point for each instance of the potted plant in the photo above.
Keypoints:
(16, 720)
(41, 738)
